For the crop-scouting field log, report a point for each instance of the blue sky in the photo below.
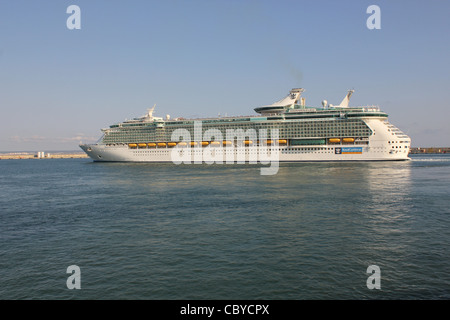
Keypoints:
(201, 58)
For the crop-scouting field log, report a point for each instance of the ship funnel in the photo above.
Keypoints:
(294, 94)
(289, 101)
(346, 100)
(149, 115)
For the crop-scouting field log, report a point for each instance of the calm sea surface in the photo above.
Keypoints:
(162, 231)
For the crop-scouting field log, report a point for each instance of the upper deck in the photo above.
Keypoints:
(291, 107)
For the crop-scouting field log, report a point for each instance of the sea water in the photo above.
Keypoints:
(166, 231)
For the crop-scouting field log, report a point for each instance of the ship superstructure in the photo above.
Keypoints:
(303, 133)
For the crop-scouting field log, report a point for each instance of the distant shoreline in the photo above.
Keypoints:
(421, 150)
(39, 155)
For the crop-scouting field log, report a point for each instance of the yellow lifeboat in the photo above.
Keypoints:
(205, 143)
(269, 142)
(132, 145)
(348, 140)
(182, 144)
(151, 145)
(161, 144)
(226, 143)
(215, 143)
(248, 142)
(171, 144)
(334, 140)
(142, 145)
(282, 141)
(193, 143)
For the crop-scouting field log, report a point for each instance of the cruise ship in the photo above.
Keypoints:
(288, 128)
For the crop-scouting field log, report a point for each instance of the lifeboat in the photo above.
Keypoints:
(132, 145)
(334, 140)
(269, 142)
(182, 144)
(142, 145)
(282, 141)
(161, 144)
(215, 143)
(193, 143)
(248, 142)
(171, 144)
(348, 140)
(151, 145)
(226, 143)
(205, 143)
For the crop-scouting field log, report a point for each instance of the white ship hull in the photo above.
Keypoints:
(99, 152)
